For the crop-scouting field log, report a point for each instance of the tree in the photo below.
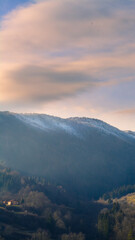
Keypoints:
(37, 200)
(130, 235)
(103, 225)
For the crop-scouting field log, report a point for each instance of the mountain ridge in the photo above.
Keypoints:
(36, 120)
(84, 157)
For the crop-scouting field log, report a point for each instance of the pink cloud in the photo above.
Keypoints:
(44, 35)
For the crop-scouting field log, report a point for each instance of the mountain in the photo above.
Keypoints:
(86, 156)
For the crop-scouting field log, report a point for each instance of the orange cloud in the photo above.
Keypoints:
(129, 111)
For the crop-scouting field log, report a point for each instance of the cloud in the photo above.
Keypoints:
(59, 24)
(129, 111)
(38, 84)
(52, 49)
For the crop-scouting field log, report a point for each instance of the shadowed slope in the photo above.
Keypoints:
(86, 156)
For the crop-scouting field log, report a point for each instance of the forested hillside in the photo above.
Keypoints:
(118, 223)
(31, 208)
(88, 156)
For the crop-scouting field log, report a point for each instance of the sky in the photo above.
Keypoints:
(69, 58)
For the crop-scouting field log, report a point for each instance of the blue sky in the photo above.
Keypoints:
(8, 5)
(69, 58)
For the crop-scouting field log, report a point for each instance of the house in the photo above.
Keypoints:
(11, 202)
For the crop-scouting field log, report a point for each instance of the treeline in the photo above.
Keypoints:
(14, 182)
(9, 181)
(119, 192)
(117, 223)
